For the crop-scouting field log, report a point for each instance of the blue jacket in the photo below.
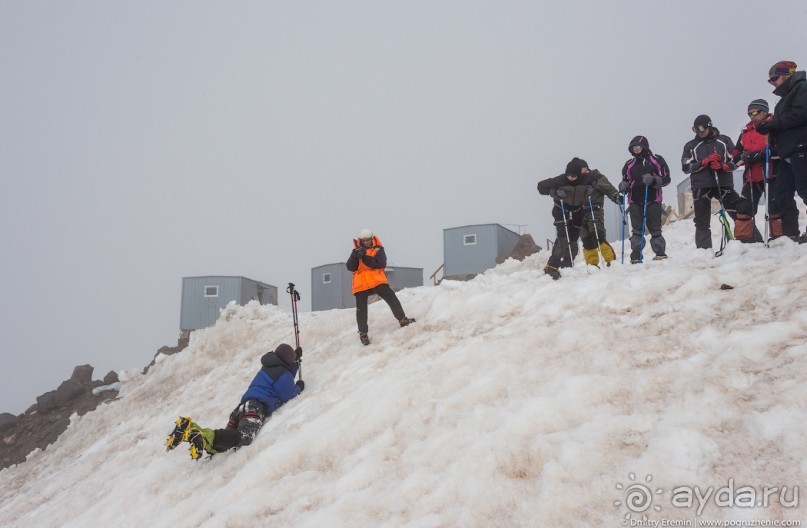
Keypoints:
(274, 384)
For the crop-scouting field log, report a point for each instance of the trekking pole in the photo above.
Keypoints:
(726, 234)
(596, 233)
(644, 216)
(624, 222)
(767, 195)
(295, 296)
(566, 228)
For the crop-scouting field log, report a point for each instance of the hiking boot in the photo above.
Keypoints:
(180, 432)
(406, 321)
(552, 271)
(364, 339)
(635, 261)
(660, 257)
(201, 441)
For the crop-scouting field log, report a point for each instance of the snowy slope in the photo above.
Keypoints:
(513, 401)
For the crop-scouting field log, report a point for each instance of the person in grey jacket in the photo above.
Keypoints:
(707, 160)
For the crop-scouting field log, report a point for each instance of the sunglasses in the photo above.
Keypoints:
(365, 240)
(773, 79)
(754, 113)
(700, 128)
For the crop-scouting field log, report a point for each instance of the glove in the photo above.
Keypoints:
(360, 252)
(647, 179)
(624, 185)
(301, 384)
(658, 181)
(751, 157)
(557, 193)
(589, 190)
(763, 128)
(716, 165)
(726, 167)
(299, 352)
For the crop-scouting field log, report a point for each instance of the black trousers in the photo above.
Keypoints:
(733, 203)
(790, 179)
(652, 225)
(242, 427)
(563, 246)
(386, 293)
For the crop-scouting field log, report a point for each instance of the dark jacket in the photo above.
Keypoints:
(697, 150)
(273, 385)
(789, 124)
(575, 190)
(638, 166)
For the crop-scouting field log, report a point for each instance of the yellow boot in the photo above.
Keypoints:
(592, 256)
(607, 253)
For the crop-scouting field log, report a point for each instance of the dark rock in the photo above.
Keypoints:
(726, 287)
(111, 377)
(7, 420)
(525, 247)
(67, 391)
(45, 402)
(82, 374)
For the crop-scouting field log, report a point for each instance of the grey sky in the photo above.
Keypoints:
(141, 142)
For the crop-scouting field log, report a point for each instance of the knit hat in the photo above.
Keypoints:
(782, 68)
(703, 120)
(759, 104)
(286, 354)
(575, 167)
(365, 233)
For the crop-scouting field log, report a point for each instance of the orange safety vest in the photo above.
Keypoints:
(366, 278)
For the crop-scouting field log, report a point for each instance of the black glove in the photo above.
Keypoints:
(763, 128)
(301, 384)
(557, 193)
(647, 179)
(589, 190)
(360, 252)
(299, 352)
(657, 182)
(751, 157)
(624, 185)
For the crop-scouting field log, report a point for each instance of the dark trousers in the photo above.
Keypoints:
(386, 293)
(732, 202)
(791, 179)
(652, 225)
(242, 427)
(563, 246)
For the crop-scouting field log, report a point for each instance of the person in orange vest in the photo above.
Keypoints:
(367, 262)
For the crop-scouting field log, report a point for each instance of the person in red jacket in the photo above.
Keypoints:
(367, 262)
(750, 151)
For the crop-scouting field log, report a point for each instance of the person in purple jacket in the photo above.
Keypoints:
(643, 176)
(271, 387)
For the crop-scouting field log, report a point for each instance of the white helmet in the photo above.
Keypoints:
(366, 233)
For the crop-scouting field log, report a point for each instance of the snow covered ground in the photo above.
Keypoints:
(514, 400)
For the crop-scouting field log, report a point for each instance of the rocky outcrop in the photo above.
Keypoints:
(42, 423)
(525, 247)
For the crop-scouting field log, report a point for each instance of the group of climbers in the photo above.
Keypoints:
(777, 161)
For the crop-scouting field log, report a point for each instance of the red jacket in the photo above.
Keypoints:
(752, 141)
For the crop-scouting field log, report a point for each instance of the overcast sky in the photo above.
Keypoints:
(141, 142)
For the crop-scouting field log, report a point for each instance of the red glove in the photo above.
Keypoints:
(726, 167)
(706, 162)
(716, 165)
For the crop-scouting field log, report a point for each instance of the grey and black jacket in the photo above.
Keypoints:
(789, 124)
(697, 150)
